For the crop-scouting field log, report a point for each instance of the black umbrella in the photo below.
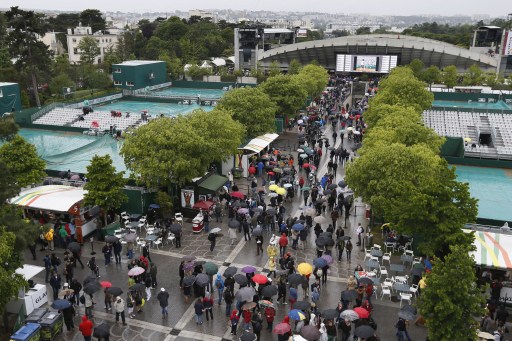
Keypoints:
(332, 186)
(319, 201)
(365, 280)
(74, 247)
(91, 288)
(302, 305)
(295, 279)
(271, 211)
(269, 291)
(234, 224)
(345, 237)
(202, 280)
(90, 279)
(417, 271)
(330, 314)
(230, 271)
(241, 279)
(189, 280)
(138, 287)
(61, 304)
(111, 239)
(310, 333)
(326, 235)
(115, 291)
(342, 184)
(348, 295)
(327, 192)
(406, 315)
(248, 336)
(409, 308)
(364, 331)
(175, 228)
(101, 331)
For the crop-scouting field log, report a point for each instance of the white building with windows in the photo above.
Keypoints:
(105, 41)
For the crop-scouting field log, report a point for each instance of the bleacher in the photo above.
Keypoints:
(470, 125)
(103, 120)
(59, 117)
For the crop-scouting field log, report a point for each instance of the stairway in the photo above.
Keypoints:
(485, 126)
(498, 142)
(472, 133)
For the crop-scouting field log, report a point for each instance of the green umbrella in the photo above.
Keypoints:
(210, 268)
(305, 188)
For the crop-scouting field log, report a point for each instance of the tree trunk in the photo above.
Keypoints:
(105, 218)
(34, 87)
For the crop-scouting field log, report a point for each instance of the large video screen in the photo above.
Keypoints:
(365, 63)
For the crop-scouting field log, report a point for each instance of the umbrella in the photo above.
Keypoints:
(365, 280)
(137, 287)
(266, 303)
(364, 331)
(271, 211)
(342, 184)
(105, 284)
(136, 271)
(302, 305)
(74, 247)
(298, 227)
(324, 241)
(66, 292)
(91, 288)
(61, 304)
(485, 335)
(216, 230)
(234, 224)
(327, 192)
(241, 279)
(273, 187)
(300, 150)
(304, 269)
(287, 185)
(277, 170)
(357, 132)
(306, 165)
(75, 177)
(406, 315)
(328, 258)
(319, 202)
(115, 291)
(245, 294)
(188, 258)
(281, 191)
(282, 328)
(309, 332)
(238, 195)
(349, 315)
(130, 237)
(248, 336)
(258, 231)
(175, 228)
(230, 271)
(202, 280)
(295, 279)
(269, 291)
(345, 237)
(319, 262)
(363, 313)
(332, 186)
(111, 239)
(303, 156)
(189, 280)
(101, 331)
(296, 315)
(210, 268)
(248, 269)
(310, 212)
(90, 279)
(260, 279)
(249, 305)
(348, 295)
(273, 195)
(417, 271)
(188, 266)
(330, 314)
(243, 210)
(409, 308)
(320, 219)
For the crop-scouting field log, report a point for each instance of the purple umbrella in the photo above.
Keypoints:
(188, 266)
(248, 269)
(328, 258)
(243, 211)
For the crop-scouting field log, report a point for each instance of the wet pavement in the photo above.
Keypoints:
(180, 324)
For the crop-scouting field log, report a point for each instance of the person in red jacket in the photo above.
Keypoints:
(86, 328)
(269, 315)
(247, 315)
(283, 243)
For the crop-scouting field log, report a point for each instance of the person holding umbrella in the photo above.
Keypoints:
(76, 287)
(199, 310)
(270, 313)
(228, 298)
(68, 314)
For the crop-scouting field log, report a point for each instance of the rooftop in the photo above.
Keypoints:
(139, 62)
(7, 83)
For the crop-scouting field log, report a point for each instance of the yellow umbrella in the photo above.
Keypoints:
(305, 269)
(281, 191)
(273, 187)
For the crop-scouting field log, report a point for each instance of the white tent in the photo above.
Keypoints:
(259, 143)
(186, 67)
(219, 62)
(493, 249)
(56, 198)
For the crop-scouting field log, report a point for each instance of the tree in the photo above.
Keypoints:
(431, 75)
(94, 19)
(340, 33)
(449, 76)
(286, 91)
(251, 107)
(294, 67)
(174, 66)
(474, 76)
(104, 185)
(21, 159)
(490, 79)
(89, 50)
(363, 30)
(378, 111)
(417, 66)
(274, 69)
(314, 79)
(451, 300)
(167, 151)
(97, 79)
(59, 82)
(166, 203)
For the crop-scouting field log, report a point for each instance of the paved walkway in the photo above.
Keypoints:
(180, 324)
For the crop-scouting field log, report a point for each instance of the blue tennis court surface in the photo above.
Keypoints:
(500, 105)
(190, 92)
(154, 108)
(492, 187)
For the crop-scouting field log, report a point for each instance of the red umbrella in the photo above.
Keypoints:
(105, 284)
(238, 195)
(252, 170)
(203, 205)
(363, 313)
(306, 165)
(271, 173)
(282, 328)
(260, 279)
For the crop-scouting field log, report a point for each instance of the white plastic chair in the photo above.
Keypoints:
(157, 243)
(383, 271)
(376, 246)
(385, 291)
(414, 289)
(405, 297)
(386, 256)
(416, 260)
(390, 246)
(171, 238)
(388, 282)
(178, 216)
(409, 252)
(367, 254)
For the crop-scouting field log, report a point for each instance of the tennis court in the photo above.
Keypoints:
(153, 108)
(190, 92)
(500, 105)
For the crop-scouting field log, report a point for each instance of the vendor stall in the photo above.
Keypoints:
(33, 298)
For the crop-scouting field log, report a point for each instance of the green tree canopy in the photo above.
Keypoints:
(104, 185)
(10, 282)
(21, 159)
(251, 107)
(286, 91)
(166, 150)
(314, 79)
(294, 67)
(274, 69)
(59, 82)
(431, 75)
(378, 111)
(449, 76)
(451, 300)
(474, 76)
(93, 18)
(417, 66)
(89, 50)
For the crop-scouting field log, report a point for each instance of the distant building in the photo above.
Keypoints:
(202, 14)
(138, 74)
(10, 98)
(54, 45)
(74, 36)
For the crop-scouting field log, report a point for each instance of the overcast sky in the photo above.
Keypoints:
(493, 8)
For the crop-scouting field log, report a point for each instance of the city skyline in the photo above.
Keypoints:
(494, 8)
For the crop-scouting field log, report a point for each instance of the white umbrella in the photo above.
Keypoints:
(357, 132)
(215, 230)
(287, 185)
(320, 220)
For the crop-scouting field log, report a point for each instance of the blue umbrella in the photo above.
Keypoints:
(155, 206)
(298, 227)
(319, 262)
(296, 315)
(61, 304)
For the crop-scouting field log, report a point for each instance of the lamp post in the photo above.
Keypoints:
(92, 246)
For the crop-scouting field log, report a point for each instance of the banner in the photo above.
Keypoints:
(507, 44)
(187, 198)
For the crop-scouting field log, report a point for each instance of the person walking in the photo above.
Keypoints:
(49, 237)
(68, 314)
(108, 300)
(245, 227)
(270, 313)
(348, 249)
(178, 239)
(145, 252)
(259, 245)
(76, 287)
(86, 328)
(47, 267)
(233, 319)
(163, 299)
(401, 330)
(283, 243)
(256, 322)
(147, 283)
(212, 238)
(119, 306)
(94, 267)
(232, 235)
(89, 304)
(131, 305)
(129, 249)
(117, 247)
(55, 283)
(208, 306)
(228, 298)
(340, 245)
(219, 284)
(199, 310)
(77, 258)
(153, 271)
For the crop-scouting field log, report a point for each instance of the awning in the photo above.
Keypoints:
(219, 62)
(493, 249)
(57, 198)
(259, 143)
(213, 183)
(28, 271)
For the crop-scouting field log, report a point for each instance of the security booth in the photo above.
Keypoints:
(10, 98)
(201, 190)
(139, 74)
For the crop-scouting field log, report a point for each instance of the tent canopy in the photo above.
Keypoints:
(57, 198)
(493, 249)
(213, 183)
(28, 271)
(219, 62)
(259, 143)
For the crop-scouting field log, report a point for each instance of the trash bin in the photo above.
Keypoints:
(36, 315)
(29, 332)
(51, 325)
(237, 172)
